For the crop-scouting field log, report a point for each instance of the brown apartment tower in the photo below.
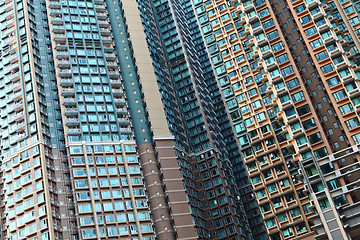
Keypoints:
(290, 70)
(96, 142)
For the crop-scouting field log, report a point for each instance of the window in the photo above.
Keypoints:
(352, 123)
(333, 184)
(252, 92)
(300, 8)
(270, 222)
(260, 116)
(256, 179)
(305, 20)
(310, 31)
(287, 232)
(272, 35)
(277, 46)
(354, 20)
(340, 200)
(282, 58)
(297, 96)
(282, 217)
(265, 208)
(277, 202)
(269, 60)
(314, 138)
(349, 9)
(344, 109)
(339, 95)
(272, 188)
(322, 55)
(287, 71)
(333, 81)
(327, 68)
(268, 23)
(320, 153)
(284, 98)
(316, 43)
(264, 12)
(300, 141)
(292, 83)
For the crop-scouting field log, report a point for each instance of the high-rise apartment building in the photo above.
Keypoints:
(289, 70)
(179, 119)
(108, 127)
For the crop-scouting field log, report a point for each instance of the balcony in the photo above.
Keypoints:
(271, 66)
(69, 101)
(324, 28)
(257, 30)
(106, 39)
(62, 54)
(13, 58)
(17, 106)
(120, 101)
(17, 96)
(100, 8)
(12, 67)
(111, 64)
(74, 131)
(20, 136)
(19, 116)
(276, 79)
(342, 65)
(103, 23)
(249, 7)
(125, 130)
(72, 121)
(10, 23)
(8, 31)
(336, 52)
(102, 16)
(330, 39)
(57, 20)
(266, 53)
(20, 126)
(262, 42)
(59, 37)
(54, 4)
(318, 15)
(65, 72)
(58, 29)
(64, 63)
(66, 82)
(56, 12)
(113, 73)
(121, 111)
(124, 121)
(115, 82)
(68, 92)
(312, 4)
(71, 111)
(8, 6)
(110, 56)
(117, 92)
(105, 30)
(8, 15)
(253, 18)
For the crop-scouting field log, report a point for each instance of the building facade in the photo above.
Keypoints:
(108, 129)
(290, 69)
